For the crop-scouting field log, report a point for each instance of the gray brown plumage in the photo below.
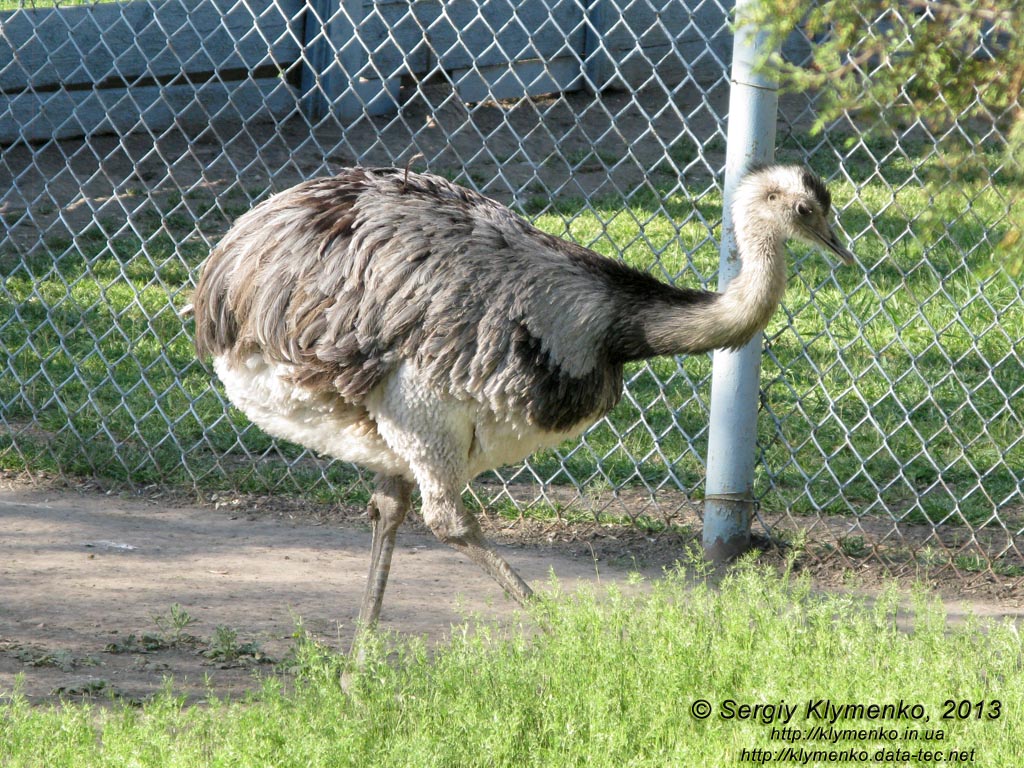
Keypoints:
(427, 332)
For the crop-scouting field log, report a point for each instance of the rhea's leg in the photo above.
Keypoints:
(387, 509)
(452, 524)
(435, 437)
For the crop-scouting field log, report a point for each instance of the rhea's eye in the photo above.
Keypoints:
(772, 197)
(803, 208)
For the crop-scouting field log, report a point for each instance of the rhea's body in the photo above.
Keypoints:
(349, 303)
(428, 333)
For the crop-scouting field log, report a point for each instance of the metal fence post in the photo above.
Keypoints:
(753, 106)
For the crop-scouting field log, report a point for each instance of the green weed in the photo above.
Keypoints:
(173, 624)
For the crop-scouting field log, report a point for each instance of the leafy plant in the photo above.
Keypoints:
(855, 546)
(173, 624)
(225, 647)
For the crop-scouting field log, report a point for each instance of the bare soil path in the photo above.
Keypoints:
(84, 574)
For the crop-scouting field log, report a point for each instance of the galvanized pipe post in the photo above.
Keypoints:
(735, 378)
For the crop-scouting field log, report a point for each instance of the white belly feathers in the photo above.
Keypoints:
(264, 391)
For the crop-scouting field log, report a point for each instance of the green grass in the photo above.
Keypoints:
(887, 389)
(589, 679)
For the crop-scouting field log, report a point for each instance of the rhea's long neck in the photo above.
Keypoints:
(686, 322)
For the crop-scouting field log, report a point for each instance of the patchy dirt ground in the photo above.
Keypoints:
(82, 576)
(88, 581)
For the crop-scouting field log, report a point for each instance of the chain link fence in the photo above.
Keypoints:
(133, 134)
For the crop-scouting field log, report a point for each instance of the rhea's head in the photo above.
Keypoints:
(793, 199)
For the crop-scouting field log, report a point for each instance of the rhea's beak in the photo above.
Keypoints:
(832, 244)
(826, 238)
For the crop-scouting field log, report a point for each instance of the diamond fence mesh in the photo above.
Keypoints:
(132, 134)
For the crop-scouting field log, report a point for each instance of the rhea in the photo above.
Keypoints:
(428, 333)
